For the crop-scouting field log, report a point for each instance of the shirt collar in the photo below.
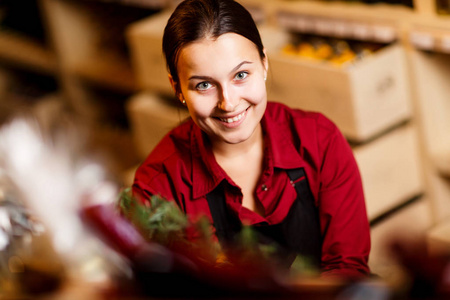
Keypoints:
(206, 172)
(281, 151)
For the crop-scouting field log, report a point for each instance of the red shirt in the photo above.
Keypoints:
(183, 168)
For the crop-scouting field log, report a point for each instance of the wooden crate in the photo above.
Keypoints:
(363, 99)
(410, 224)
(390, 166)
(430, 70)
(145, 42)
(151, 117)
(391, 170)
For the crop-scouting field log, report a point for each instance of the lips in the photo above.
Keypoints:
(233, 119)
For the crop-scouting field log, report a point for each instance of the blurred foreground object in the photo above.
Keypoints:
(428, 273)
(62, 230)
(166, 264)
(25, 255)
(60, 224)
(44, 182)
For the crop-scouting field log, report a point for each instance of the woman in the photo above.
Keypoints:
(241, 159)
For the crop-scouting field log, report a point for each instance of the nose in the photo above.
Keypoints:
(228, 101)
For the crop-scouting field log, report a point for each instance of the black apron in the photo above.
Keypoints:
(299, 233)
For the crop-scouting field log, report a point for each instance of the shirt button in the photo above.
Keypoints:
(264, 187)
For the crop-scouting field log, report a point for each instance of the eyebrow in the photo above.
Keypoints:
(232, 71)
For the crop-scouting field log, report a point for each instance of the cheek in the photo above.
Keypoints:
(201, 108)
(256, 92)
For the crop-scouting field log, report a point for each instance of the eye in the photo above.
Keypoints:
(203, 86)
(241, 75)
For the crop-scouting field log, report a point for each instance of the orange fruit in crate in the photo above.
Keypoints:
(289, 49)
(324, 51)
(345, 57)
(306, 50)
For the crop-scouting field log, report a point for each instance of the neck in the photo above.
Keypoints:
(225, 150)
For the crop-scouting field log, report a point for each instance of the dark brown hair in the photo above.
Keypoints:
(196, 19)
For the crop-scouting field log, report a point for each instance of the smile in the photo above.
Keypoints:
(233, 119)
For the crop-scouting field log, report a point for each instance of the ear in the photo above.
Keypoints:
(172, 83)
(265, 63)
(175, 88)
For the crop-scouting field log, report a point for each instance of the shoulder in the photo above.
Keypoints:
(307, 124)
(174, 144)
(316, 138)
(167, 162)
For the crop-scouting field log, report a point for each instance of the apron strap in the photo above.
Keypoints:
(308, 237)
(225, 223)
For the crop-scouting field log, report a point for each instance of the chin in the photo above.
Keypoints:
(235, 140)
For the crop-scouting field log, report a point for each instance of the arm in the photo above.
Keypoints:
(343, 217)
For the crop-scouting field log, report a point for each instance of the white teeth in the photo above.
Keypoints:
(234, 119)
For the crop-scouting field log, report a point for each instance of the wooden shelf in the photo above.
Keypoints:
(93, 55)
(430, 34)
(379, 14)
(25, 51)
(92, 44)
(260, 10)
(379, 23)
(152, 4)
(351, 10)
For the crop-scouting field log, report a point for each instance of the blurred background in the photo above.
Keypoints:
(378, 69)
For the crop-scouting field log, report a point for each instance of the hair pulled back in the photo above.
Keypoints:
(193, 20)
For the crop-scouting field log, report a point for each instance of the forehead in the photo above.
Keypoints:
(227, 50)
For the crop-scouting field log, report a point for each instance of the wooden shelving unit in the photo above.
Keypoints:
(26, 52)
(23, 39)
(381, 22)
(89, 54)
(89, 41)
(21, 89)
(393, 162)
(28, 66)
(430, 68)
(107, 70)
(70, 56)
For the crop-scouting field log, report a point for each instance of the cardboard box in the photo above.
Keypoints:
(151, 117)
(145, 43)
(410, 224)
(363, 99)
(391, 170)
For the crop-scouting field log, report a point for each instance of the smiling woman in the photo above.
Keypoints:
(225, 97)
(239, 159)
